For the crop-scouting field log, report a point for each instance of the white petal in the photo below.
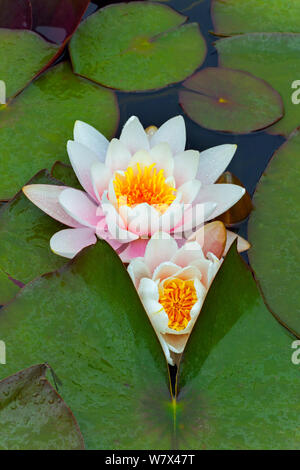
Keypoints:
(101, 176)
(143, 219)
(173, 215)
(189, 191)
(46, 198)
(82, 159)
(133, 136)
(79, 206)
(137, 269)
(165, 270)
(224, 195)
(162, 156)
(214, 161)
(186, 166)
(160, 248)
(173, 133)
(242, 244)
(187, 254)
(176, 343)
(69, 242)
(91, 138)
(193, 217)
(142, 157)
(118, 156)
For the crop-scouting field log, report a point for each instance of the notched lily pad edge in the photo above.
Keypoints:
(267, 84)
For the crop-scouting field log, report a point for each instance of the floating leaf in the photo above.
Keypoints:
(16, 14)
(274, 232)
(33, 416)
(65, 173)
(137, 46)
(236, 16)
(35, 127)
(25, 232)
(23, 55)
(57, 19)
(8, 288)
(274, 57)
(237, 386)
(230, 100)
(241, 210)
(87, 321)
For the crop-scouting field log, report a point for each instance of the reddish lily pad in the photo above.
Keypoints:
(15, 14)
(137, 46)
(274, 57)
(246, 16)
(57, 20)
(36, 126)
(34, 416)
(274, 228)
(230, 100)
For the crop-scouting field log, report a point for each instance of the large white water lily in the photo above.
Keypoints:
(172, 282)
(134, 186)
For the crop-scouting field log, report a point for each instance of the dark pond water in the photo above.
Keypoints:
(254, 150)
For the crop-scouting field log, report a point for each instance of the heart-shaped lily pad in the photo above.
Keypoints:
(246, 16)
(33, 416)
(16, 14)
(274, 57)
(137, 46)
(23, 55)
(25, 232)
(237, 385)
(230, 100)
(36, 126)
(274, 233)
(8, 288)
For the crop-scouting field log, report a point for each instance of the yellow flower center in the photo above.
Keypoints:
(178, 297)
(144, 184)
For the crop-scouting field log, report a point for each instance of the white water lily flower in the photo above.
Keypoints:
(172, 283)
(134, 186)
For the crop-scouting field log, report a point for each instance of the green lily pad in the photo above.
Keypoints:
(25, 233)
(23, 55)
(237, 385)
(8, 288)
(274, 57)
(35, 127)
(33, 416)
(236, 16)
(87, 322)
(137, 46)
(230, 100)
(274, 231)
(65, 173)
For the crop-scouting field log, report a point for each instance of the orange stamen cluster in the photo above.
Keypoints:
(144, 184)
(178, 297)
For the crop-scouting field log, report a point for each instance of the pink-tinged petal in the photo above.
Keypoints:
(214, 161)
(211, 237)
(69, 242)
(204, 265)
(189, 272)
(87, 135)
(79, 206)
(101, 176)
(189, 191)
(242, 244)
(186, 166)
(162, 157)
(173, 133)
(224, 195)
(82, 159)
(115, 223)
(134, 249)
(187, 254)
(176, 343)
(133, 136)
(46, 198)
(137, 269)
(143, 219)
(193, 217)
(165, 270)
(172, 216)
(118, 156)
(160, 248)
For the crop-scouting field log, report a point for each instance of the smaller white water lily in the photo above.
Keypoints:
(172, 282)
